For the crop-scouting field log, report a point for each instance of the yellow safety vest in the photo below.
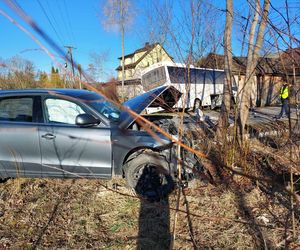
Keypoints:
(284, 92)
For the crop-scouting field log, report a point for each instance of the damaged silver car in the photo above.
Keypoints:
(77, 133)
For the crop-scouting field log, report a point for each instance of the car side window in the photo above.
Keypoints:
(16, 109)
(62, 111)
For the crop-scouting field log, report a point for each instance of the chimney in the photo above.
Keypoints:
(147, 44)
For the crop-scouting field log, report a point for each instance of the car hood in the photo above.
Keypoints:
(164, 96)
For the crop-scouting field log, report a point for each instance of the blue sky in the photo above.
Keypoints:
(78, 23)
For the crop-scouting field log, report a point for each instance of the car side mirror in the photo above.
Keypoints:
(86, 120)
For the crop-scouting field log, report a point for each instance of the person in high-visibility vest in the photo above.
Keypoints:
(284, 96)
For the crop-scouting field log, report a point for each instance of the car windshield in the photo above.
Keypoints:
(107, 109)
(102, 106)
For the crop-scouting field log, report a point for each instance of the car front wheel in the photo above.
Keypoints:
(149, 175)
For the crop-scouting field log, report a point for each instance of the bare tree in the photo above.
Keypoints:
(79, 68)
(224, 115)
(17, 72)
(118, 13)
(157, 25)
(96, 65)
(254, 47)
(197, 22)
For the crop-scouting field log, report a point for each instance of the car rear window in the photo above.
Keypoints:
(16, 109)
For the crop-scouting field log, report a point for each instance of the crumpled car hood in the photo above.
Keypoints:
(164, 96)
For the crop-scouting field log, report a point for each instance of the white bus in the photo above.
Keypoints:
(203, 86)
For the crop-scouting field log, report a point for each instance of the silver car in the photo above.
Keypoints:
(77, 133)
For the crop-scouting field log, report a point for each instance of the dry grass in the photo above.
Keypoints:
(83, 214)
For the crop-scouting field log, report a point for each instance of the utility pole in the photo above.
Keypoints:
(71, 58)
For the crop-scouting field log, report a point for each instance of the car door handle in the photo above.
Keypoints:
(48, 136)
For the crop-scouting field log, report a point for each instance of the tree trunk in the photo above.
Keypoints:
(224, 115)
(244, 94)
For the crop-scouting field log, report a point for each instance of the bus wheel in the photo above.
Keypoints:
(197, 104)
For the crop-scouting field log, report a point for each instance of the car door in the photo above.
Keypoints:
(19, 142)
(69, 150)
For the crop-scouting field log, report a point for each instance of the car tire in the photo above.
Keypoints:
(149, 175)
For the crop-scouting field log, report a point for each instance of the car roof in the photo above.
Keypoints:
(68, 92)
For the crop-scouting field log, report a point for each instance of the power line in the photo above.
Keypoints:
(64, 21)
(53, 27)
(69, 22)
(55, 21)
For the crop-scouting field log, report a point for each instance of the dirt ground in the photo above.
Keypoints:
(94, 214)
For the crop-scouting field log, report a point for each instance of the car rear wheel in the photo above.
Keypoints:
(148, 174)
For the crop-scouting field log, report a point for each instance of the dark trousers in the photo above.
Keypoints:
(284, 108)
